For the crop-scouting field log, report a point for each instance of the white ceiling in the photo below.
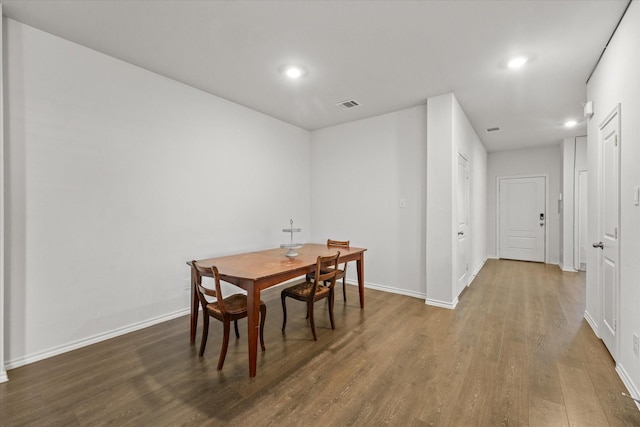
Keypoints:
(387, 55)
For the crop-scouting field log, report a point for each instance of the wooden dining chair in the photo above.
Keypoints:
(342, 273)
(227, 309)
(322, 285)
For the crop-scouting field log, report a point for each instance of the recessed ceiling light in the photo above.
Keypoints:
(517, 62)
(294, 72)
(570, 123)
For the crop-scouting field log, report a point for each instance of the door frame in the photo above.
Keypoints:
(546, 209)
(467, 241)
(3, 241)
(615, 114)
(577, 217)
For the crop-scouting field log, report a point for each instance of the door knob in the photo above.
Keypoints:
(598, 245)
(460, 233)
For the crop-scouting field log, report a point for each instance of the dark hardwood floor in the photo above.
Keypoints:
(516, 351)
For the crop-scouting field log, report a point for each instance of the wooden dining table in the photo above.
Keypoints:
(255, 271)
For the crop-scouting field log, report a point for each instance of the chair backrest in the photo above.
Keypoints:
(326, 270)
(338, 243)
(201, 290)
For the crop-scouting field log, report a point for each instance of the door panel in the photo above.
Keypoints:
(609, 288)
(522, 218)
(462, 224)
(609, 232)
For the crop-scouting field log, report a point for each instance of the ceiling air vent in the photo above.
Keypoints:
(345, 105)
(495, 129)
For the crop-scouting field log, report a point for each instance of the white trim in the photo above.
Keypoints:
(476, 271)
(567, 269)
(389, 289)
(628, 383)
(11, 364)
(576, 213)
(592, 323)
(442, 304)
(3, 369)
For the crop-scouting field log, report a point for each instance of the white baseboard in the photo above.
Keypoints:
(475, 273)
(442, 304)
(3, 376)
(389, 289)
(546, 262)
(628, 383)
(567, 269)
(432, 302)
(21, 361)
(592, 323)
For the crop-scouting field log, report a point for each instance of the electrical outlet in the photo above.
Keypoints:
(636, 344)
(187, 284)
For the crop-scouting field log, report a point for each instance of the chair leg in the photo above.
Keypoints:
(284, 311)
(225, 343)
(205, 332)
(263, 315)
(344, 287)
(331, 299)
(313, 325)
(235, 326)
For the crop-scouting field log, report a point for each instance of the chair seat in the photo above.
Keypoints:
(301, 291)
(235, 304)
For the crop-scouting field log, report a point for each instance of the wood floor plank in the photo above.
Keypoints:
(509, 405)
(515, 351)
(581, 401)
(547, 414)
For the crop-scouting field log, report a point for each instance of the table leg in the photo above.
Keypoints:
(360, 269)
(194, 307)
(253, 316)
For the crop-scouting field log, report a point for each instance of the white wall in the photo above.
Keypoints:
(450, 132)
(3, 371)
(617, 80)
(115, 178)
(581, 195)
(359, 173)
(441, 193)
(468, 143)
(528, 161)
(573, 159)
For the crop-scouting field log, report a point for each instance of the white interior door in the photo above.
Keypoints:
(522, 218)
(463, 224)
(609, 232)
